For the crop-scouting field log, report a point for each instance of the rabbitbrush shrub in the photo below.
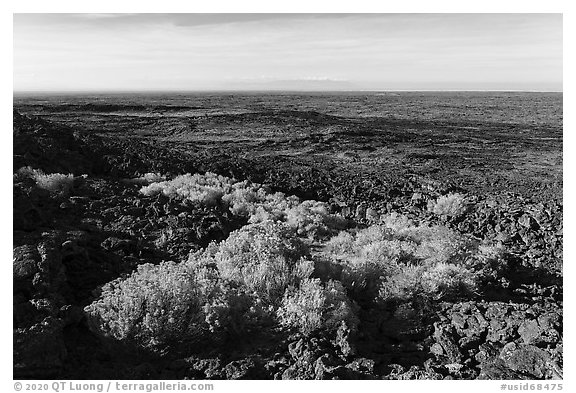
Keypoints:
(56, 183)
(398, 260)
(251, 200)
(428, 282)
(266, 257)
(451, 205)
(171, 307)
(315, 306)
(206, 189)
(226, 289)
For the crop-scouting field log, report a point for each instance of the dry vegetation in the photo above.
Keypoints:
(265, 272)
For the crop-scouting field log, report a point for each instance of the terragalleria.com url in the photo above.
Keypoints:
(113, 386)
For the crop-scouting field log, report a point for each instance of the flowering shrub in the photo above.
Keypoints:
(221, 290)
(312, 219)
(251, 200)
(265, 257)
(152, 307)
(55, 183)
(398, 259)
(315, 306)
(207, 189)
(451, 205)
(247, 199)
(488, 261)
(169, 306)
(434, 282)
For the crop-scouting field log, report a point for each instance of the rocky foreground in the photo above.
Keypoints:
(69, 243)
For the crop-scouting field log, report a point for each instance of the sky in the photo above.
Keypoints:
(326, 52)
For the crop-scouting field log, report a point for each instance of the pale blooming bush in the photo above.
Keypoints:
(265, 257)
(316, 306)
(55, 183)
(225, 289)
(451, 205)
(153, 307)
(173, 306)
(398, 259)
(312, 219)
(428, 282)
(253, 201)
(206, 189)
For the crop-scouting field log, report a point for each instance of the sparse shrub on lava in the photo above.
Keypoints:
(398, 259)
(265, 257)
(56, 183)
(310, 218)
(317, 306)
(451, 205)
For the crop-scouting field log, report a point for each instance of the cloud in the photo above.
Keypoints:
(323, 51)
(267, 78)
(302, 83)
(167, 19)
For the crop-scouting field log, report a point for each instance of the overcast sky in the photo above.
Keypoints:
(102, 52)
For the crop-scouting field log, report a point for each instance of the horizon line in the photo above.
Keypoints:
(152, 91)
